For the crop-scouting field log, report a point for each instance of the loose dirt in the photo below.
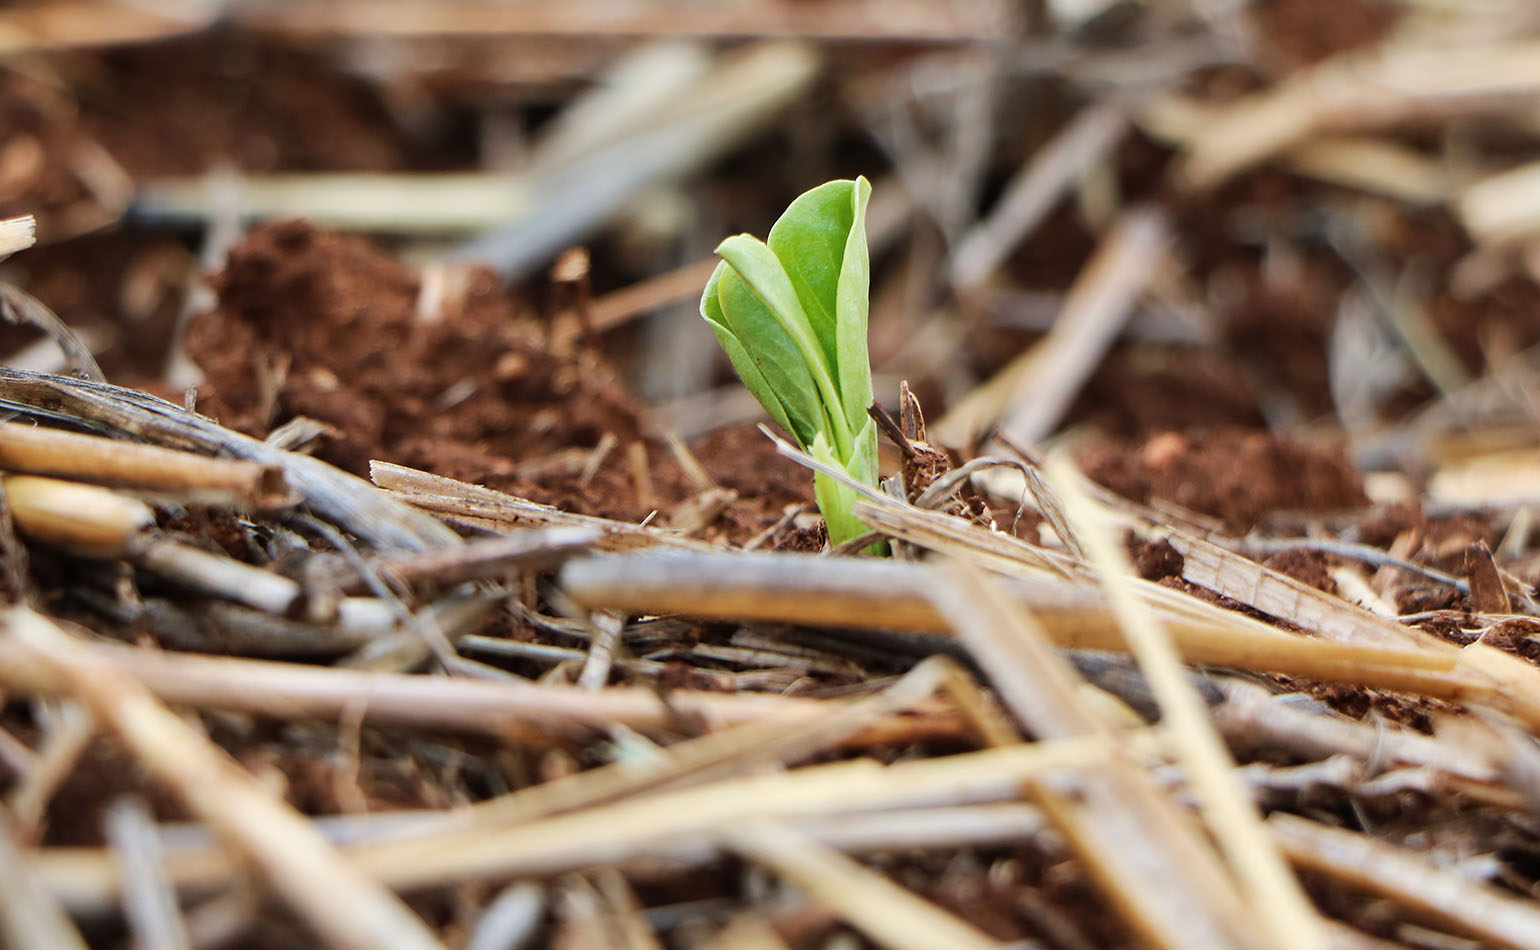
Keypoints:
(328, 327)
(1238, 475)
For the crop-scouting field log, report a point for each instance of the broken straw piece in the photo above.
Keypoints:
(17, 234)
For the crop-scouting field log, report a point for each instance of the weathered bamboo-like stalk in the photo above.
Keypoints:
(502, 709)
(330, 492)
(135, 465)
(859, 594)
(81, 518)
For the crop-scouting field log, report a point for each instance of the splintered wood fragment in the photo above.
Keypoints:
(134, 465)
(887, 913)
(1507, 681)
(290, 690)
(1277, 594)
(869, 594)
(1486, 584)
(462, 500)
(1165, 879)
(17, 234)
(1408, 878)
(1357, 90)
(344, 905)
(1273, 893)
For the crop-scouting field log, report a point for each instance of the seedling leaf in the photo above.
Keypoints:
(791, 315)
(854, 366)
(774, 364)
(761, 272)
(810, 240)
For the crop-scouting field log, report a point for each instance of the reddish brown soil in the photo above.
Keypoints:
(1235, 474)
(235, 101)
(1307, 567)
(320, 325)
(1301, 32)
(325, 326)
(123, 289)
(69, 156)
(1444, 538)
(1143, 390)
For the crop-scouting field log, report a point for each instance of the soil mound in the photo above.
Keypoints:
(326, 326)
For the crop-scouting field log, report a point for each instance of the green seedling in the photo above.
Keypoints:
(791, 313)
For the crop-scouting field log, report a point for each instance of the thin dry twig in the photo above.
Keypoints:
(149, 901)
(858, 805)
(344, 906)
(131, 465)
(1364, 90)
(1032, 192)
(1166, 879)
(1274, 894)
(869, 594)
(484, 507)
(847, 20)
(501, 709)
(69, 729)
(884, 911)
(30, 916)
(1408, 879)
